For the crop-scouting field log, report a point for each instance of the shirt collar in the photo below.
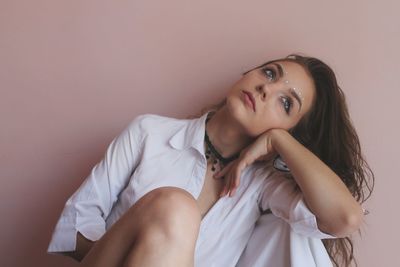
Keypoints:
(190, 135)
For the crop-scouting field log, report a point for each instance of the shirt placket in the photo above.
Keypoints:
(197, 180)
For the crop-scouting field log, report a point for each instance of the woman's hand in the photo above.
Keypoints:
(261, 149)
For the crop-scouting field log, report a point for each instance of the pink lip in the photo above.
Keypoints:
(250, 96)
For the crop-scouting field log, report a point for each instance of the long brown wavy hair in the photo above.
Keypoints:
(327, 131)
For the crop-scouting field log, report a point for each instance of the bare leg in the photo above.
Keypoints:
(159, 230)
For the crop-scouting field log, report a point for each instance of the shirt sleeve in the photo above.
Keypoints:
(87, 209)
(281, 195)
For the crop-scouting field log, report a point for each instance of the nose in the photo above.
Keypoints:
(261, 89)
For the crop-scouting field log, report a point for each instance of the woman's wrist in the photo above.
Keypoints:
(278, 136)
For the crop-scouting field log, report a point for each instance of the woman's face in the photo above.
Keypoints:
(282, 91)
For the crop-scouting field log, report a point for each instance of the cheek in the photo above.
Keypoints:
(265, 123)
(273, 119)
(234, 105)
(274, 115)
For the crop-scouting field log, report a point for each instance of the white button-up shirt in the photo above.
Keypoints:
(156, 151)
(273, 243)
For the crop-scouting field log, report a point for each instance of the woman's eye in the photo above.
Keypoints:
(270, 73)
(287, 104)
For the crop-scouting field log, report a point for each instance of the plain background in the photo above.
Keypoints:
(73, 74)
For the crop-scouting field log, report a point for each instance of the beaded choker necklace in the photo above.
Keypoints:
(212, 153)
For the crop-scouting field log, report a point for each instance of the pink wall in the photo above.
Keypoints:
(74, 73)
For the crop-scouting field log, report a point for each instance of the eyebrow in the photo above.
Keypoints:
(294, 93)
(280, 69)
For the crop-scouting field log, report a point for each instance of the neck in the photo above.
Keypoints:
(226, 134)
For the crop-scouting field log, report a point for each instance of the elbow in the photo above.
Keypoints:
(352, 223)
(345, 225)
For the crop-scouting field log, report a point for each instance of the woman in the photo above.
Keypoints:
(283, 132)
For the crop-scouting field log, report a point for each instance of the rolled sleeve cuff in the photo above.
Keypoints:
(64, 235)
(304, 222)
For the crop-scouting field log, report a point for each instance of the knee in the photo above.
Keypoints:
(172, 213)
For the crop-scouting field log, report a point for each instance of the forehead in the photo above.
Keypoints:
(294, 71)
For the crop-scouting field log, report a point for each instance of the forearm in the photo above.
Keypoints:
(337, 212)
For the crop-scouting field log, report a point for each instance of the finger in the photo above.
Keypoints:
(234, 186)
(238, 171)
(231, 184)
(236, 180)
(223, 192)
(221, 173)
(233, 192)
(228, 180)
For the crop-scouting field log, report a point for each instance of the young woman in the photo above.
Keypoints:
(173, 192)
